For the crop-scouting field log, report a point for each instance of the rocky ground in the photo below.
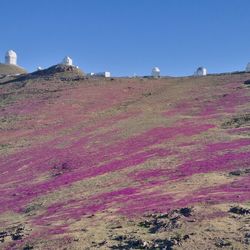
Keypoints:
(124, 163)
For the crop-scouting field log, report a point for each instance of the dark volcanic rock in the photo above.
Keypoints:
(16, 233)
(237, 121)
(247, 239)
(240, 172)
(239, 210)
(166, 222)
(135, 243)
(222, 243)
(28, 247)
(186, 211)
(247, 82)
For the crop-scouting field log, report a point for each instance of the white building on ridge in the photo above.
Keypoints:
(201, 71)
(67, 61)
(103, 74)
(11, 57)
(156, 72)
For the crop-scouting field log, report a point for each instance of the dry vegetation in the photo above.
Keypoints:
(124, 163)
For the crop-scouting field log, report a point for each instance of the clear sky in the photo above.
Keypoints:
(128, 36)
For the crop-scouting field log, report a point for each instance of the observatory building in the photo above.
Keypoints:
(248, 67)
(67, 61)
(10, 67)
(11, 57)
(201, 71)
(105, 74)
(156, 72)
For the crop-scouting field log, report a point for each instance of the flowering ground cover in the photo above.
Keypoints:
(125, 163)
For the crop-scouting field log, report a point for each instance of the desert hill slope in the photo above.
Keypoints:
(94, 163)
(6, 69)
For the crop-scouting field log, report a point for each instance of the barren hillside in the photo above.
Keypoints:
(6, 69)
(125, 163)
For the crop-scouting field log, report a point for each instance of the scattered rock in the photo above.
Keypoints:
(247, 241)
(120, 237)
(161, 216)
(158, 226)
(116, 226)
(32, 208)
(247, 82)
(146, 244)
(90, 216)
(239, 210)
(133, 243)
(3, 234)
(147, 94)
(15, 233)
(165, 244)
(247, 235)
(145, 224)
(186, 211)
(102, 243)
(60, 169)
(186, 237)
(16, 236)
(166, 222)
(28, 247)
(240, 172)
(222, 243)
(237, 121)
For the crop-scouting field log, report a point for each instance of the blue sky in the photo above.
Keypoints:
(128, 36)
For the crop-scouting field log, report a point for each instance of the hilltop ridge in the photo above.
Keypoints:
(8, 69)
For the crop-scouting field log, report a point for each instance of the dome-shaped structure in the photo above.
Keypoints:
(11, 57)
(248, 67)
(67, 61)
(201, 71)
(156, 72)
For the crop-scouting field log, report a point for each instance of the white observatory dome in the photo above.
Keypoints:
(11, 57)
(67, 61)
(156, 72)
(201, 71)
(248, 67)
